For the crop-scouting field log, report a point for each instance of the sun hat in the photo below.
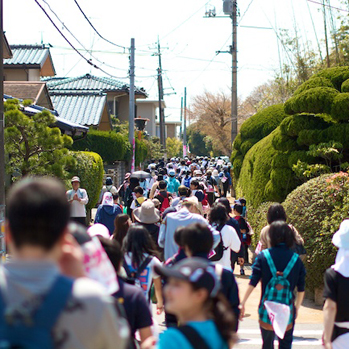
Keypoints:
(98, 229)
(147, 213)
(341, 237)
(197, 172)
(196, 271)
(75, 179)
(215, 173)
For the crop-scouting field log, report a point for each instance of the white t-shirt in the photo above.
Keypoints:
(148, 274)
(230, 240)
(77, 208)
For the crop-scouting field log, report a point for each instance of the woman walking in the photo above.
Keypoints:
(280, 271)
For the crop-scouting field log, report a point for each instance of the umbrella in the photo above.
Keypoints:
(140, 175)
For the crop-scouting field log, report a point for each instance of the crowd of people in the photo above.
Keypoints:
(169, 237)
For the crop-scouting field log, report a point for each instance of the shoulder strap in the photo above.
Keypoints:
(127, 269)
(219, 271)
(143, 266)
(270, 262)
(193, 337)
(54, 302)
(290, 264)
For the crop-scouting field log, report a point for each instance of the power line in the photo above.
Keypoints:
(330, 6)
(243, 15)
(110, 42)
(79, 42)
(73, 47)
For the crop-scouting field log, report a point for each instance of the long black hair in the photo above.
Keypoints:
(138, 241)
(218, 214)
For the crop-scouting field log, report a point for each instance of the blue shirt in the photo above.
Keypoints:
(173, 339)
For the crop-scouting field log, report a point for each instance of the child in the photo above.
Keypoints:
(192, 294)
(246, 238)
(164, 196)
(138, 200)
(186, 179)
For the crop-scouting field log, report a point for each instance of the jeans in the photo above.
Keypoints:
(269, 336)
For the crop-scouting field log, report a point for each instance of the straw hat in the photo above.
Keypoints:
(147, 213)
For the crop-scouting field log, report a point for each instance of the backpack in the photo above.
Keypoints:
(165, 202)
(219, 250)
(133, 277)
(34, 330)
(186, 182)
(278, 289)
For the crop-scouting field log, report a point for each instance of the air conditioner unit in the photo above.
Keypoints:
(228, 7)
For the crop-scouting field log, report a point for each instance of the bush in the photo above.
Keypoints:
(345, 86)
(89, 167)
(315, 100)
(283, 142)
(307, 209)
(313, 82)
(337, 75)
(258, 220)
(340, 107)
(111, 146)
(141, 151)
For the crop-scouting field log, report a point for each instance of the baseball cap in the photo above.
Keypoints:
(196, 271)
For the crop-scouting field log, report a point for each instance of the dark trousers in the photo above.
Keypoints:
(269, 336)
(81, 220)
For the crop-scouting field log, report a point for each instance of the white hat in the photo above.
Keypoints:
(98, 229)
(147, 213)
(107, 199)
(341, 237)
(215, 173)
(75, 179)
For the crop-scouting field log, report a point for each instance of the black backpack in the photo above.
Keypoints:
(133, 277)
(220, 247)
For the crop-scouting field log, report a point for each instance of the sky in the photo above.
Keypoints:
(188, 40)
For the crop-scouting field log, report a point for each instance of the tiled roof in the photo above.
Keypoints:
(28, 55)
(88, 83)
(80, 108)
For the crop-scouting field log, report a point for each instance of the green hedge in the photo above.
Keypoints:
(337, 75)
(111, 146)
(89, 167)
(340, 107)
(307, 209)
(313, 82)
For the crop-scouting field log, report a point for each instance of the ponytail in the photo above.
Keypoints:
(223, 316)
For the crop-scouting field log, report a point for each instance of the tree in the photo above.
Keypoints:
(174, 147)
(196, 140)
(32, 145)
(213, 115)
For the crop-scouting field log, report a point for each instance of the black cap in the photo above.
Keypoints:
(197, 271)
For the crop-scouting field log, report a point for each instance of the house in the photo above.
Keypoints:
(147, 109)
(28, 63)
(91, 100)
(6, 49)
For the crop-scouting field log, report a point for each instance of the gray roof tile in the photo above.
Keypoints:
(28, 55)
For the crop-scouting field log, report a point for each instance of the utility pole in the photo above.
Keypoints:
(185, 124)
(2, 142)
(181, 128)
(230, 9)
(326, 39)
(161, 98)
(131, 119)
(234, 95)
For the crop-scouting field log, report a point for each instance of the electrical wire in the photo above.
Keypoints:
(79, 42)
(110, 42)
(330, 6)
(315, 32)
(243, 15)
(73, 47)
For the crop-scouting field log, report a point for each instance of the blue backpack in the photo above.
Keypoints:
(34, 330)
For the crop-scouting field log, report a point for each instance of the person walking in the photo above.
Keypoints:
(172, 183)
(107, 212)
(78, 199)
(226, 180)
(47, 307)
(336, 290)
(108, 187)
(281, 271)
(122, 223)
(192, 294)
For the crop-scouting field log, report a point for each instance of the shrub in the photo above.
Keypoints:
(283, 142)
(340, 107)
(301, 155)
(141, 151)
(258, 220)
(307, 209)
(89, 167)
(313, 82)
(309, 137)
(345, 86)
(111, 146)
(247, 145)
(315, 100)
(337, 75)
(237, 164)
